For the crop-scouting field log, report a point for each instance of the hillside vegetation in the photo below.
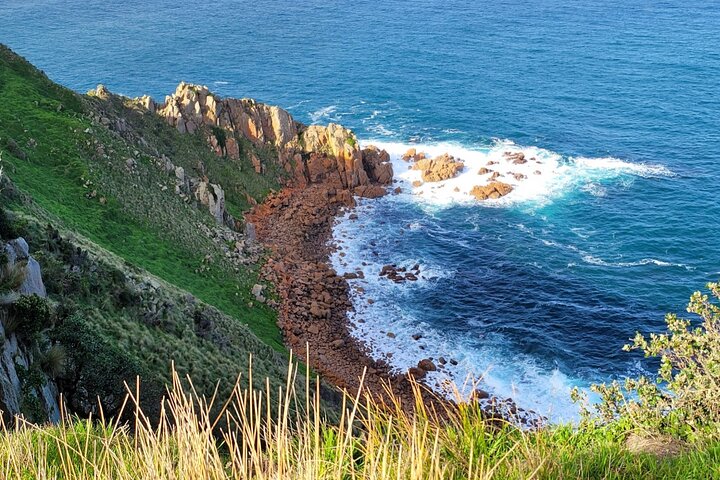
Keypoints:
(136, 273)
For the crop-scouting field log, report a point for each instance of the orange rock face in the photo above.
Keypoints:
(439, 168)
(491, 190)
(313, 154)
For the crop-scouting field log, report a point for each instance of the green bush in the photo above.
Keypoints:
(7, 228)
(31, 313)
(54, 361)
(11, 276)
(97, 368)
(684, 398)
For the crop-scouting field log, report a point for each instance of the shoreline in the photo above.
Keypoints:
(296, 225)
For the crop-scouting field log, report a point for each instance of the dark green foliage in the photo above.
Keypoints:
(11, 276)
(54, 361)
(14, 149)
(31, 379)
(220, 136)
(32, 314)
(98, 368)
(7, 227)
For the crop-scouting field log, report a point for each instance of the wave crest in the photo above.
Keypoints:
(546, 175)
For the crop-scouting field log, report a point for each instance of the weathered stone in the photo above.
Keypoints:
(491, 190)
(439, 168)
(212, 196)
(427, 365)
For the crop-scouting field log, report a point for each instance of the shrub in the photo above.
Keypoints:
(54, 361)
(11, 276)
(31, 313)
(220, 136)
(684, 398)
(98, 368)
(7, 228)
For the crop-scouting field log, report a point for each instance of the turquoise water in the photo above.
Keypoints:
(539, 293)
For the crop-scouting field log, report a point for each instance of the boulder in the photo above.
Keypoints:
(479, 394)
(439, 168)
(427, 365)
(18, 251)
(370, 191)
(410, 153)
(517, 158)
(257, 291)
(491, 190)
(377, 165)
(213, 197)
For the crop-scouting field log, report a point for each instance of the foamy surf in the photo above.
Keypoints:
(544, 175)
(470, 359)
(400, 338)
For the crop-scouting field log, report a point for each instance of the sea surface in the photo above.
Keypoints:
(532, 294)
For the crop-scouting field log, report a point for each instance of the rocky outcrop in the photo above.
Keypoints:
(412, 155)
(19, 395)
(313, 154)
(516, 158)
(439, 168)
(491, 190)
(377, 165)
(17, 251)
(212, 196)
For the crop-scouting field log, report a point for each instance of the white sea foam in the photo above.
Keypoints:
(644, 261)
(388, 331)
(545, 176)
(380, 129)
(323, 113)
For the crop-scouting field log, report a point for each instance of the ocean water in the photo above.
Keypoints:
(535, 293)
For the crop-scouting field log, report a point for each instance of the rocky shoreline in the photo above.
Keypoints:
(326, 169)
(296, 225)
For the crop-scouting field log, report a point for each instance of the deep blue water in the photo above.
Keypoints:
(546, 290)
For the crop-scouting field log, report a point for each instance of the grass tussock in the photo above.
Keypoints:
(289, 438)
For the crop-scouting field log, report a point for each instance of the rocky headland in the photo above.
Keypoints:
(326, 169)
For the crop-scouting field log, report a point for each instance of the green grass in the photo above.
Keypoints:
(151, 228)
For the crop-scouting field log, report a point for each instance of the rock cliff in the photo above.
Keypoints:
(24, 388)
(312, 154)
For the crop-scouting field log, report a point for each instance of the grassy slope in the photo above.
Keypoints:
(148, 227)
(62, 162)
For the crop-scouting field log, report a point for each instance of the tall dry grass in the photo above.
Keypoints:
(261, 434)
(256, 437)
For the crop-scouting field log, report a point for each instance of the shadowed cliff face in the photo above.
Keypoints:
(313, 154)
(24, 388)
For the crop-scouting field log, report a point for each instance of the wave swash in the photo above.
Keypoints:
(395, 335)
